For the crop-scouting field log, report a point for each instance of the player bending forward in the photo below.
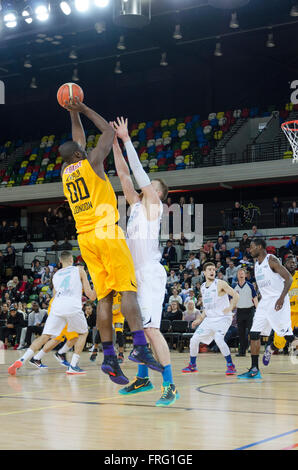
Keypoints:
(216, 319)
(143, 241)
(68, 282)
(273, 310)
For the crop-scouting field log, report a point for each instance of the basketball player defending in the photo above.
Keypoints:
(102, 242)
(273, 310)
(143, 241)
(280, 342)
(216, 319)
(69, 283)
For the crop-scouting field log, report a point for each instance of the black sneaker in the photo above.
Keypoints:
(93, 356)
(142, 355)
(37, 363)
(111, 367)
(138, 385)
(61, 358)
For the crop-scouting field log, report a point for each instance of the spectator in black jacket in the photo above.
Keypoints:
(15, 322)
(237, 215)
(9, 259)
(169, 252)
(175, 313)
(244, 243)
(65, 246)
(28, 247)
(4, 232)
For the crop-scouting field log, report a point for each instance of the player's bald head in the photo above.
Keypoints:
(71, 152)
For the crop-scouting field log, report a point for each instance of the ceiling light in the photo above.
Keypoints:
(75, 75)
(177, 33)
(27, 15)
(42, 11)
(117, 69)
(270, 41)
(33, 83)
(73, 55)
(82, 5)
(234, 23)
(101, 3)
(65, 8)
(163, 61)
(121, 44)
(10, 19)
(294, 10)
(218, 51)
(27, 63)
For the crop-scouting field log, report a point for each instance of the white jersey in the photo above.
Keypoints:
(143, 236)
(68, 286)
(270, 284)
(213, 304)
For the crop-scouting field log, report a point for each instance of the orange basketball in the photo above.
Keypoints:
(69, 91)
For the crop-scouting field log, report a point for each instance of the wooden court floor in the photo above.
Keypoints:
(46, 409)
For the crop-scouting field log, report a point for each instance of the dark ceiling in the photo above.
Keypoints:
(248, 73)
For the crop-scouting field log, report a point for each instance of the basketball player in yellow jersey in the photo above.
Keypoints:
(101, 241)
(291, 265)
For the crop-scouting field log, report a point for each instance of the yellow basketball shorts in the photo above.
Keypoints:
(109, 261)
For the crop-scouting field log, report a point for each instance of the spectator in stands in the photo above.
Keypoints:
(235, 255)
(70, 227)
(244, 242)
(172, 278)
(232, 236)
(169, 252)
(55, 246)
(13, 282)
(36, 269)
(17, 234)
(182, 240)
(181, 271)
(4, 232)
(190, 296)
(224, 235)
(277, 211)
(255, 232)
(47, 265)
(193, 262)
(50, 222)
(36, 322)
(4, 311)
(175, 313)
(207, 247)
(10, 258)
(66, 246)
(90, 314)
(203, 257)
(223, 251)
(23, 289)
(197, 289)
(292, 214)
(231, 272)
(196, 277)
(13, 327)
(46, 277)
(292, 245)
(237, 215)
(28, 247)
(175, 297)
(191, 312)
(219, 243)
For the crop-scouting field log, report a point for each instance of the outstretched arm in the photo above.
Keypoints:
(124, 174)
(139, 173)
(103, 148)
(78, 134)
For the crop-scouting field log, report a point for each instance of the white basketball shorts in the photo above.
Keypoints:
(55, 324)
(212, 326)
(267, 318)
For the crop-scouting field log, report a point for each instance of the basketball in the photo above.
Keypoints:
(69, 91)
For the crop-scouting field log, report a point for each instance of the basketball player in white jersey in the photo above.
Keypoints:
(273, 310)
(216, 319)
(69, 283)
(143, 241)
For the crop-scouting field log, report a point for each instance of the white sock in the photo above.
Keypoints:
(39, 355)
(74, 360)
(64, 349)
(28, 354)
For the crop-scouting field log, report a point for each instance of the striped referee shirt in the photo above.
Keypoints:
(246, 294)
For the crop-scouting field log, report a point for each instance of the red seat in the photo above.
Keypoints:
(271, 250)
(156, 124)
(187, 119)
(205, 123)
(245, 112)
(159, 148)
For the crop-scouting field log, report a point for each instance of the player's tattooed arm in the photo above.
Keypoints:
(278, 268)
(124, 174)
(225, 288)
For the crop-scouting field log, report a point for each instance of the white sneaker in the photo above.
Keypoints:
(91, 349)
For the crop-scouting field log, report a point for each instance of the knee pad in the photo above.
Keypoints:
(119, 338)
(254, 335)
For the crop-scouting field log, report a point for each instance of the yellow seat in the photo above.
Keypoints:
(144, 154)
(180, 126)
(134, 133)
(24, 164)
(142, 125)
(289, 106)
(220, 115)
(32, 157)
(164, 123)
(172, 121)
(59, 160)
(166, 134)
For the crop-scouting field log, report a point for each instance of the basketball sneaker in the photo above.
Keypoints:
(190, 368)
(231, 370)
(37, 363)
(13, 368)
(142, 355)
(75, 370)
(120, 358)
(111, 367)
(252, 373)
(267, 355)
(169, 395)
(62, 359)
(93, 356)
(138, 385)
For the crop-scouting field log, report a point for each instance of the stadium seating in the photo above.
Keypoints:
(174, 143)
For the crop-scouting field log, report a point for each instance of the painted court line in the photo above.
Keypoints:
(253, 444)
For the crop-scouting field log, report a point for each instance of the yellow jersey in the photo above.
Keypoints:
(293, 294)
(92, 200)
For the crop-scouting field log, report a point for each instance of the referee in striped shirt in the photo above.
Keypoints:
(245, 309)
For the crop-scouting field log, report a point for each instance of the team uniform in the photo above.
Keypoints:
(143, 242)
(102, 243)
(266, 318)
(66, 308)
(118, 318)
(64, 333)
(279, 341)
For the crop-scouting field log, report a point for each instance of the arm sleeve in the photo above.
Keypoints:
(138, 171)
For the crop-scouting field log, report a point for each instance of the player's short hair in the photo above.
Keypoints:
(206, 265)
(260, 242)
(163, 187)
(65, 256)
(68, 149)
